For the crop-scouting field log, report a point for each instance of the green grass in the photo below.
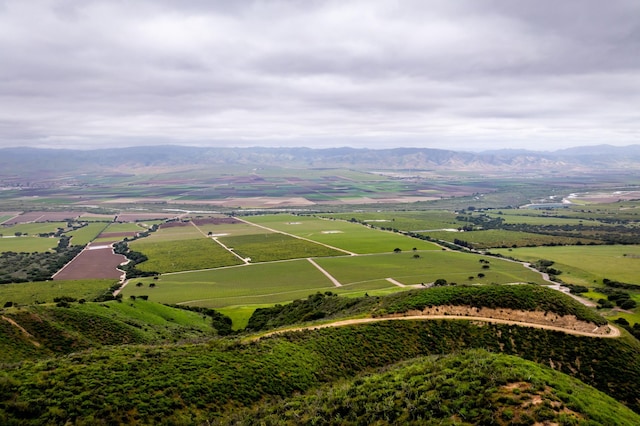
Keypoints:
(182, 255)
(233, 230)
(586, 265)
(243, 285)
(86, 234)
(33, 228)
(344, 235)
(491, 238)
(46, 291)
(407, 221)
(539, 219)
(275, 246)
(125, 227)
(240, 314)
(432, 265)
(27, 244)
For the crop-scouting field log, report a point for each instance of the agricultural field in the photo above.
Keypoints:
(275, 246)
(351, 237)
(46, 291)
(32, 228)
(86, 234)
(95, 261)
(412, 221)
(277, 282)
(242, 285)
(491, 238)
(405, 268)
(182, 255)
(27, 244)
(586, 265)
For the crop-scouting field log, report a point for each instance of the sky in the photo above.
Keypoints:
(465, 75)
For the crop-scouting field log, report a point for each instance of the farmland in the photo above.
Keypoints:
(310, 246)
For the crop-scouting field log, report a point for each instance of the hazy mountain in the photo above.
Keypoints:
(25, 162)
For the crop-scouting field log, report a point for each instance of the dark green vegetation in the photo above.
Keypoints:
(23, 267)
(331, 306)
(276, 246)
(44, 331)
(195, 383)
(473, 387)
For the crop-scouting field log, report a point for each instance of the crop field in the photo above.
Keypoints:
(125, 227)
(585, 265)
(407, 221)
(403, 267)
(27, 244)
(182, 255)
(275, 246)
(43, 217)
(260, 283)
(185, 231)
(33, 228)
(46, 291)
(491, 238)
(543, 220)
(231, 229)
(344, 235)
(86, 234)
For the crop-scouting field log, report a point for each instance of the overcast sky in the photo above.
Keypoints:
(465, 75)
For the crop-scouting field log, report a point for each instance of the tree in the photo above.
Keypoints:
(416, 256)
(397, 250)
(440, 282)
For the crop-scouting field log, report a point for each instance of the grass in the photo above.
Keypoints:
(251, 284)
(27, 244)
(432, 265)
(491, 238)
(275, 246)
(33, 228)
(86, 234)
(176, 233)
(235, 229)
(344, 235)
(182, 255)
(46, 291)
(586, 265)
(125, 227)
(407, 221)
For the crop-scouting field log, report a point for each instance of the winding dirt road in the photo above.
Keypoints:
(614, 331)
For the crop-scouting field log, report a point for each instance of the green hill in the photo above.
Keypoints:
(41, 331)
(195, 383)
(474, 387)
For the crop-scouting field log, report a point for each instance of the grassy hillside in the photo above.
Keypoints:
(43, 331)
(195, 383)
(474, 387)
(330, 306)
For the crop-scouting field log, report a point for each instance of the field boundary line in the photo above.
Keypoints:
(325, 272)
(350, 253)
(245, 261)
(394, 282)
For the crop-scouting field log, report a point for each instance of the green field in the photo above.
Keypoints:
(408, 221)
(182, 255)
(275, 246)
(432, 265)
(175, 233)
(502, 238)
(586, 265)
(33, 228)
(46, 291)
(86, 234)
(344, 235)
(27, 244)
(252, 284)
(235, 229)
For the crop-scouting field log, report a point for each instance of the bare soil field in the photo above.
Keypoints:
(97, 261)
(11, 214)
(174, 225)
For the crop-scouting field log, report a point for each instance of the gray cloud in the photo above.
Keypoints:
(462, 75)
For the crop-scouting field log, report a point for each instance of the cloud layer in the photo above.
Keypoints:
(474, 74)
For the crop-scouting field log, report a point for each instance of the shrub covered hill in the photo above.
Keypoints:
(451, 370)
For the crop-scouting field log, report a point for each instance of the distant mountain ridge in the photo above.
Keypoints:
(21, 161)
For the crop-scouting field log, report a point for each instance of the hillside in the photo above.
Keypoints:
(19, 163)
(42, 331)
(473, 387)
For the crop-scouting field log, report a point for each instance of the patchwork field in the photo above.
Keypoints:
(275, 246)
(86, 234)
(32, 228)
(94, 262)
